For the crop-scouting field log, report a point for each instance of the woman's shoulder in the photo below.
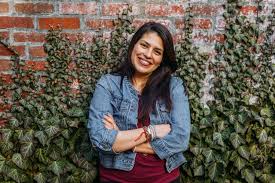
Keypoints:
(110, 80)
(175, 81)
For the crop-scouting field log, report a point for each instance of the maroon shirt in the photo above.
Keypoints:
(148, 168)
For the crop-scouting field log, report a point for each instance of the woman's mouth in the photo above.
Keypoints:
(144, 62)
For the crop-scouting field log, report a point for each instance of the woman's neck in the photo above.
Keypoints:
(139, 82)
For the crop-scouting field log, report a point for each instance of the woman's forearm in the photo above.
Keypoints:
(128, 139)
(144, 148)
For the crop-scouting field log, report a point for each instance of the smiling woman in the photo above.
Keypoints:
(139, 117)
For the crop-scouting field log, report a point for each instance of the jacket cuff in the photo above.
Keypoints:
(107, 143)
(160, 148)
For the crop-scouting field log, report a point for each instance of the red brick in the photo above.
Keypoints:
(113, 8)
(4, 51)
(139, 22)
(179, 23)
(16, 22)
(4, 35)
(246, 10)
(164, 10)
(35, 65)
(65, 23)
(6, 78)
(37, 51)
(5, 107)
(176, 10)
(28, 37)
(200, 23)
(5, 65)
(79, 8)
(33, 8)
(208, 38)
(177, 38)
(100, 24)
(207, 10)
(4, 7)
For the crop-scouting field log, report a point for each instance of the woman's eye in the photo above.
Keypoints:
(157, 53)
(143, 45)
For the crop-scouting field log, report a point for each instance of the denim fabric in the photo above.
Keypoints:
(121, 100)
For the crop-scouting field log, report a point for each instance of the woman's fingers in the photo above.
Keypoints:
(108, 124)
(109, 118)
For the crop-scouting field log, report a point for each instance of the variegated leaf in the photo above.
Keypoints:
(248, 175)
(40, 135)
(40, 178)
(199, 171)
(239, 163)
(27, 149)
(209, 155)
(243, 151)
(51, 131)
(236, 140)
(217, 138)
(19, 161)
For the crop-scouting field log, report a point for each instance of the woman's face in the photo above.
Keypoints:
(147, 53)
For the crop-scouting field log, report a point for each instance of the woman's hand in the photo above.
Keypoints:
(162, 130)
(109, 122)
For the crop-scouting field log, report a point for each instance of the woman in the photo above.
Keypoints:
(139, 117)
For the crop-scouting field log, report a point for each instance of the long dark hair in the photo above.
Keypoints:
(157, 86)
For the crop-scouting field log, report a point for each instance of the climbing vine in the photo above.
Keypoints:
(232, 139)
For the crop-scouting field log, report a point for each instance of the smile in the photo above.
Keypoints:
(144, 62)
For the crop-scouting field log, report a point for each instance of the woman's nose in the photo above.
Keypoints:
(148, 53)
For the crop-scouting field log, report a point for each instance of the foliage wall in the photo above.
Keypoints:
(232, 140)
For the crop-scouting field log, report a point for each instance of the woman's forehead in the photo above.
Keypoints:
(153, 39)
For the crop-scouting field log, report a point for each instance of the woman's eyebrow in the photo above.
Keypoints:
(149, 44)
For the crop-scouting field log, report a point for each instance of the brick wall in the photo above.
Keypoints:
(24, 23)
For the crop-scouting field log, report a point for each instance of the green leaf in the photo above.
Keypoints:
(27, 137)
(73, 179)
(2, 166)
(209, 155)
(40, 154)
(6, 146)
(52, 130)
(217, 138)
(195, 150)
(66, 134)
(40, 135)
(199, 171)
(14, 122)
(5, 134)
(239, 128)
(40, 178)
(88, 176)
(262, 136)
(265, 178)
(56, 167)
(266, 112)
(75, 112)
(14, 175)
(243, 151)
(27, 149)
(239, 163)
(213, 170)
(236, 140)
(248, 175)
(18, 160)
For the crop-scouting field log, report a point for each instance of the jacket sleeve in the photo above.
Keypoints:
(178, 138)
(101, 137)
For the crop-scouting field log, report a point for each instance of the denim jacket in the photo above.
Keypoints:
(121, 100)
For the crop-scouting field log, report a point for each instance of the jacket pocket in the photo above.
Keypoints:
(120, 111)
(164, 113)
